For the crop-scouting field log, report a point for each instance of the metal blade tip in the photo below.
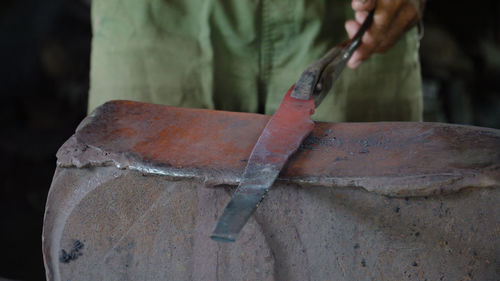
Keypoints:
(223, 237)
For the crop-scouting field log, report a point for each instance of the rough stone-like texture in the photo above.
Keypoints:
(139, 188)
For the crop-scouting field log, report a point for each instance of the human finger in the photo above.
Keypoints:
(363, 5)
(361, 16)
(382, 18)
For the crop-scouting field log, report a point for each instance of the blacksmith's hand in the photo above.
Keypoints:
(392, 18)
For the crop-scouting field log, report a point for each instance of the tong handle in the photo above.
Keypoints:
(356, 40)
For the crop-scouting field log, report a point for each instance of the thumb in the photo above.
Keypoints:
(363, 5)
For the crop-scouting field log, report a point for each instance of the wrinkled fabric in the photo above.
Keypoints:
(242, 56)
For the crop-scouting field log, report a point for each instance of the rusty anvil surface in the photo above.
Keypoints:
(128, 200)
(392, 158)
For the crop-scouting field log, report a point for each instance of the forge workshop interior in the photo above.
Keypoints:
(249, 140)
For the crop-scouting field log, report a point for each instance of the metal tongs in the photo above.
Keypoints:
(318, 78)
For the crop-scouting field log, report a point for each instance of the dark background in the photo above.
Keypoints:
(44, 65)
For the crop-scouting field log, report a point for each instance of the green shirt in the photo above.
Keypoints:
(243, 56)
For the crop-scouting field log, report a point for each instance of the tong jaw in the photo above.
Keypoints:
(317, 80)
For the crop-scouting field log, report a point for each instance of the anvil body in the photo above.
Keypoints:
(139, 187)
